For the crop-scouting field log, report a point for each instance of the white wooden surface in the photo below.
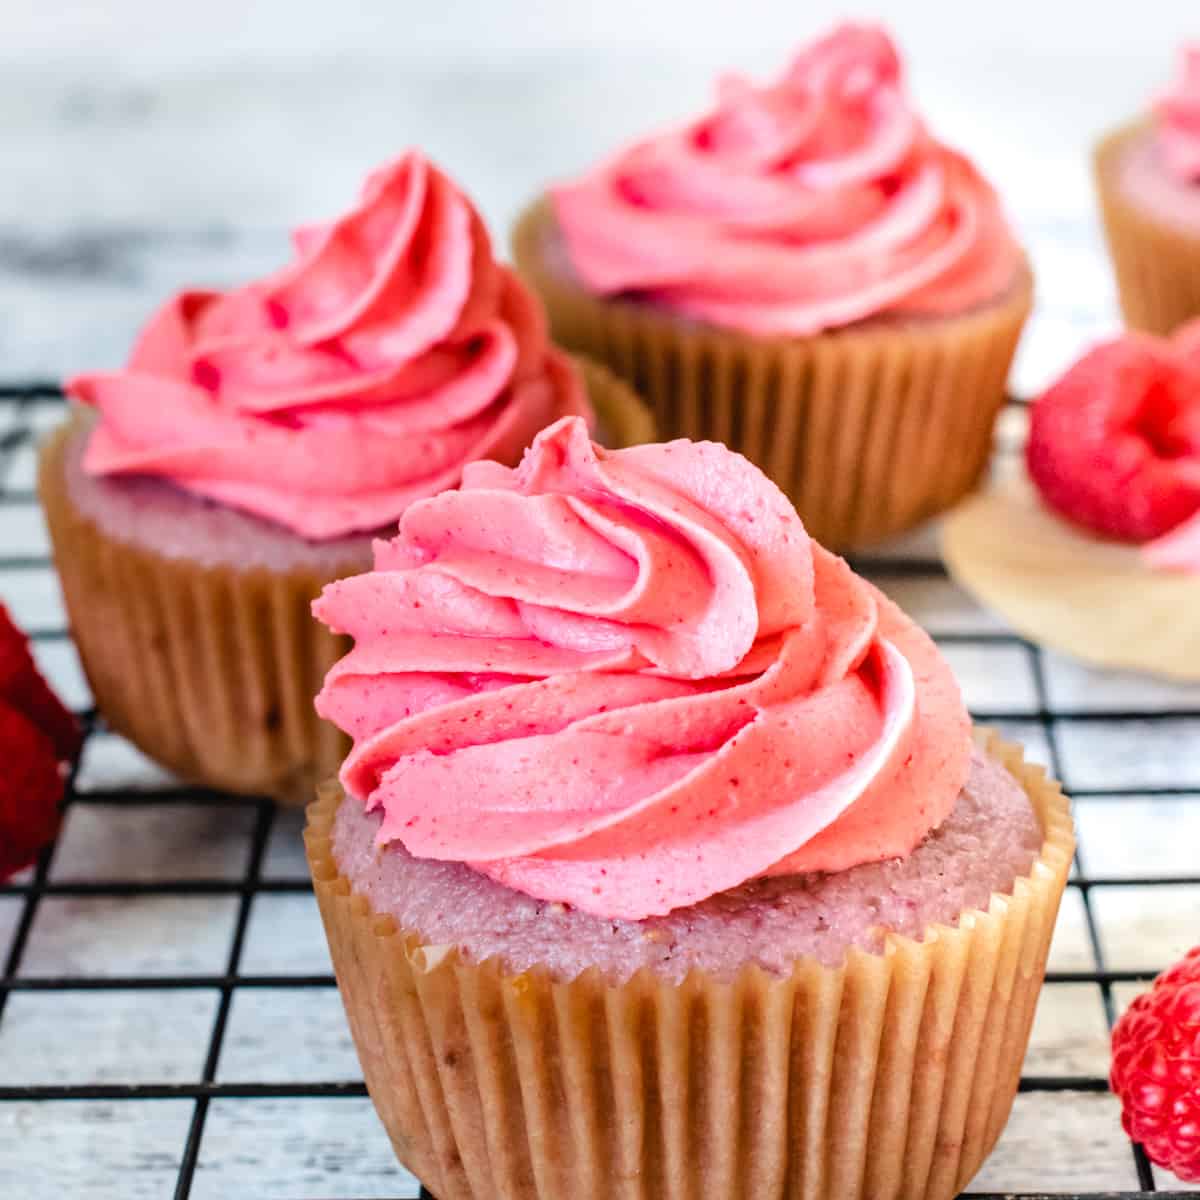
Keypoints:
(145, 146)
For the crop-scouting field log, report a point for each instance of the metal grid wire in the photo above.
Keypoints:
(27, 402)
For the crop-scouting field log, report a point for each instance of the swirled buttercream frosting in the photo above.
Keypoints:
(804, 204)
(364, 375)
(629, 680)
(1178, 113)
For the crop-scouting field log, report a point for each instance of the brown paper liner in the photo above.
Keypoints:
(1055, 584)
(211, 670)
(621, 417)
(888, 1077)
(869, 429)
(1157, 265)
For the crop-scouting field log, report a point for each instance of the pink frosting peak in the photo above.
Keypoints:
(805, 204)
(1178, 113)
(364, 375)
(629, 681)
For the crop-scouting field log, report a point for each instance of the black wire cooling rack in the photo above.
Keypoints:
(31, 407)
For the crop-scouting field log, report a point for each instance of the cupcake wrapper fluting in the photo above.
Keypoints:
(869, 429)
(1157, 265)
(211, 670)
(890, 1076)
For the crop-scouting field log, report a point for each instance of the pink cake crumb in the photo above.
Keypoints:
(159, 516)
(990, 838)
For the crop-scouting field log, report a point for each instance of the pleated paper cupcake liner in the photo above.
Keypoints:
(888, 1077)
(621, 417)
(1157, 265)
(211, 670)
(869, 429)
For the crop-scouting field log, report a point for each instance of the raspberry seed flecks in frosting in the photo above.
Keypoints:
(630, 680)
(802, 205)
(361, 377)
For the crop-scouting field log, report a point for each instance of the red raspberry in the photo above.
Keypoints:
(31, 788)
(1156, 1068)
(25, 690)
(1115, 444)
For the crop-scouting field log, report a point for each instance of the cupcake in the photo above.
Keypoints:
(664, 852)
(806, 274)
(200, 497)
(1148, 179)
(1096, 550)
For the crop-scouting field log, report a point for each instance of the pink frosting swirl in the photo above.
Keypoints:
(364, 375)
(629, 680)
(1178, 112)
(805, 204)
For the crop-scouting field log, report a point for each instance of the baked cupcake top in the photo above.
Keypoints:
(629, 680)
(1114, 445)
(1178, 119)
(808, 203)
(362, 376)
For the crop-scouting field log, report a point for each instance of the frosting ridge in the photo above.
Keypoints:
(362, 376)
(809, 203)
(629, 680)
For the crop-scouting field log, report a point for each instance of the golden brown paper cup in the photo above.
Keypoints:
(212, 670)
(209, 670)
(621, 417)
(889, 1077)
(1157, 265)
(869, 429)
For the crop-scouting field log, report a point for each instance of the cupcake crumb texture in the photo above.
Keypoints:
(991, 837)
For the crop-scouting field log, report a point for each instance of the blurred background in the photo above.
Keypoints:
(145, 145)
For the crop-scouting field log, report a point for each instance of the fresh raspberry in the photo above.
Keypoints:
(31, 788)
(1156, 1068)
(1115, 444)
(24, 689)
